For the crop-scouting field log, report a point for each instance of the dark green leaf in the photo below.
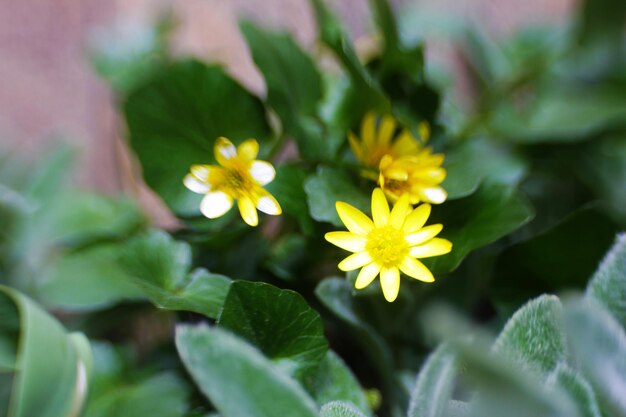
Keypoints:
(288, 188)
(174, 120)
(159, 266)
(326, 187)
(608, 284)
(237, 378)
(279, 322)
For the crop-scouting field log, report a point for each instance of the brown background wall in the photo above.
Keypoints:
(48, 89)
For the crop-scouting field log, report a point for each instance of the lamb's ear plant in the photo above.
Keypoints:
(316, 225)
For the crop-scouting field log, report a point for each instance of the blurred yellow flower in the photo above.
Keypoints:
(378, 141)
(417, 176)
(239, 176)
(389, 243)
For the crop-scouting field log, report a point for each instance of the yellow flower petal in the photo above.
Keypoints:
(248, 149)
(416, 219)
(368, 129)
(346, 240)
(248, 211)
(406, 144)
(386, 129)
(353, 218)
(399, 212)
(263, 172)
(356, 147)
(194, 184)
(431, 174)
(268, 205)
(434, 247)
(215, 204)
(355, 261)
(367, 274)
(390, 282)
(380, 208)
(434, 195)
(416, 269)
(224, 151)
(424, 234)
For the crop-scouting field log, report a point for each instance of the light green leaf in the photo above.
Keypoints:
(489, 214)
(326, 187)
(279, 322)
(237, 378)
(608, 284)
(598, 345)
(174, 120)
(340, 409)
(533, 338)
(578, 389)
(435, 381)
(159, 266)
(333, 381)
(51, 376)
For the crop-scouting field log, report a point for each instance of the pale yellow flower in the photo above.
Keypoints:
(417, 176)
(389, 243)
(239, 176)
(378, 141)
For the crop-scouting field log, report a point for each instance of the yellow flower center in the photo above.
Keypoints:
(387, 246)
(236, 181)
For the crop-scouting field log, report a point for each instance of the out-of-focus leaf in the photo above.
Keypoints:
(435, 381)
(237, 378)
(524, 271)
(287, 256)
(288, 188)
(578, 389)
(294, 90)
(340, 409)
(598, 345)
(492, 212)
(533, 338)
(279, 322)
(333, 381)
(469, 163)
(325, 188)
(159, 266)
(88, 279)
(50, 374)
(602, 20)
(174, 120)
(608, 284)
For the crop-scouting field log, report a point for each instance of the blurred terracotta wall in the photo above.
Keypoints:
(48, 89)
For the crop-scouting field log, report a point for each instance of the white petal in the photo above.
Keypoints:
(215, 204)
(435, 195)
(263, 172)
(268, 205)
(195, 184)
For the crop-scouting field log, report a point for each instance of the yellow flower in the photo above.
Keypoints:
(378, 141)
(388, 244)
(239, 177)
(418, 176)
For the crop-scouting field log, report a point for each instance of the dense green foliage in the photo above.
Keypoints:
(103, 315)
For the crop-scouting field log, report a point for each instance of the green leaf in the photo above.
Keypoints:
(608, 284)
(159, 266)
(340, 409)
(602, 20)
(598, 345)
(489, 214)
(279, 322)
(288, 188)
(237, 378)
(433, 389)
(578, 389)
(386, 21)
(174, 120)
(51, 377)
(334, 381)
(533, 338)
(326, 187)
(88, 279)
(294, 90)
